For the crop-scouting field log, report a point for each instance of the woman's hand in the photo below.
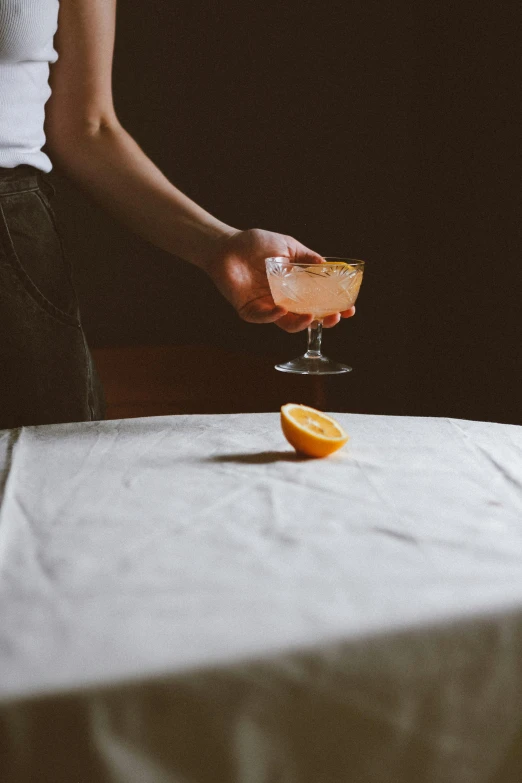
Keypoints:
(238, 270)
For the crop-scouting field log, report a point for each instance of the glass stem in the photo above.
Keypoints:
(315, 332)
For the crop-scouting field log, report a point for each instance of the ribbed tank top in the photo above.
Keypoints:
(27, 29)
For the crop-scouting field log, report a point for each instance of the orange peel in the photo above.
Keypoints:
(311, 432)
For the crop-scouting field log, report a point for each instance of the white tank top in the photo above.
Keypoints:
(27, 28)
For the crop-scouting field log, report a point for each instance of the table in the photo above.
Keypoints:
(182, 598)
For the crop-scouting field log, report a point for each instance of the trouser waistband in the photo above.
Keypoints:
(19, 179)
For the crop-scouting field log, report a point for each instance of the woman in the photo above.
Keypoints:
(46, 371)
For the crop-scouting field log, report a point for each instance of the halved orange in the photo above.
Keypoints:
(310, 431)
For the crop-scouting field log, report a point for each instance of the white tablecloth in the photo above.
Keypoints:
(183, 599)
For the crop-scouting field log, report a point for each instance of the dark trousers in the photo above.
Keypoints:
(46, 370)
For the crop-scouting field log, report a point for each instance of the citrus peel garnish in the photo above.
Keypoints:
(314, 268)
(310, 431)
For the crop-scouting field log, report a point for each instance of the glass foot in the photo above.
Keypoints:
(315, 365)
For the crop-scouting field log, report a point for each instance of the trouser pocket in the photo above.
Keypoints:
(46, 370)
(31, 245)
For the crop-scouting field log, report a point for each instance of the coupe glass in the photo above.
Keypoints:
(318, 290)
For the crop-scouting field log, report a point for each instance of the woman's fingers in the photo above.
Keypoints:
(331, 320)
(261, 311)
(294, 323)
(291, 322)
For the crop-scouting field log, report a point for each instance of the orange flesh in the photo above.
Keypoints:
(316, 424)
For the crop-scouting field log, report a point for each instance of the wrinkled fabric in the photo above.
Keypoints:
(184, 599)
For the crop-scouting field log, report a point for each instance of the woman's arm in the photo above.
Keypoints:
(86, 140)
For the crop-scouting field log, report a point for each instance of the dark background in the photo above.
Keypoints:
(371, 130)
